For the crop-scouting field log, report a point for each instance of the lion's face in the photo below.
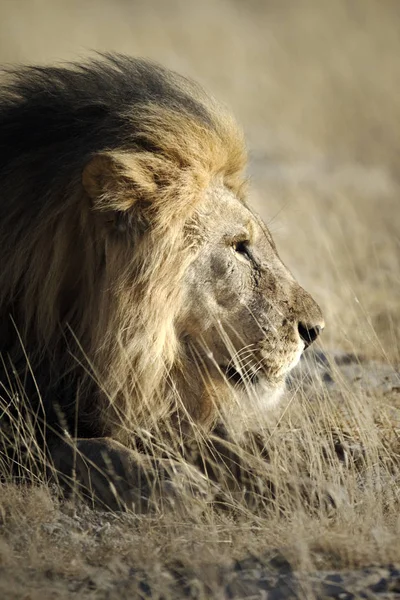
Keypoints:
(247, 321)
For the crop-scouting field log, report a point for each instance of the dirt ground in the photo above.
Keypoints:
(315, 84)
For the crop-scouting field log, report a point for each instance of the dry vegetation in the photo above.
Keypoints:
(316, 85)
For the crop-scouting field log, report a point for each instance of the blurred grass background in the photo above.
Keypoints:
(315, 85)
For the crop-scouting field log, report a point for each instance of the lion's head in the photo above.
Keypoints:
(248, 320)
(140, 283)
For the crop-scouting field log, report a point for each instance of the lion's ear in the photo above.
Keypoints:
(96, 176)
(116, 181)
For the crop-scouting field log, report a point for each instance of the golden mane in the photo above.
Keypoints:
(97, 311)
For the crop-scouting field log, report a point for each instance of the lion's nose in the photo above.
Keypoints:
(309, 333)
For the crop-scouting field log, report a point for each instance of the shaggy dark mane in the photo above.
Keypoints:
(78, 315)
(44, 111)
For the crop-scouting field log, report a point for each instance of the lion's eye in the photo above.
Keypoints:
(242, 249)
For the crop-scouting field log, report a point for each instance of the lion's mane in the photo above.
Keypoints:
(88, 321)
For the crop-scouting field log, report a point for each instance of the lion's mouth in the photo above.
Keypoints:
(240, 377)
(255, 374)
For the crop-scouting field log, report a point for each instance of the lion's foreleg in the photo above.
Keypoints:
(114, 477)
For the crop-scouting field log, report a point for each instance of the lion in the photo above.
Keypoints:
(139, 293)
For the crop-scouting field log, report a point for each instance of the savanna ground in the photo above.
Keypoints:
(315, 85)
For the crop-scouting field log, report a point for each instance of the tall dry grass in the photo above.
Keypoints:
(315, 84)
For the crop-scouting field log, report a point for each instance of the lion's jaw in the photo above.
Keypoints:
(255, 405)
(264, 394)
(246, 407)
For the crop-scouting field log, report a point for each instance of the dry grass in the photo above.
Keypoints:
(316, 85)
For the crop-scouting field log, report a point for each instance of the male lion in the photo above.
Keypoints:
(139, 295)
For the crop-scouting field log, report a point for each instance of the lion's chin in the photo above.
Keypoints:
(251, 407)
(263, 395)
(255, 395)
